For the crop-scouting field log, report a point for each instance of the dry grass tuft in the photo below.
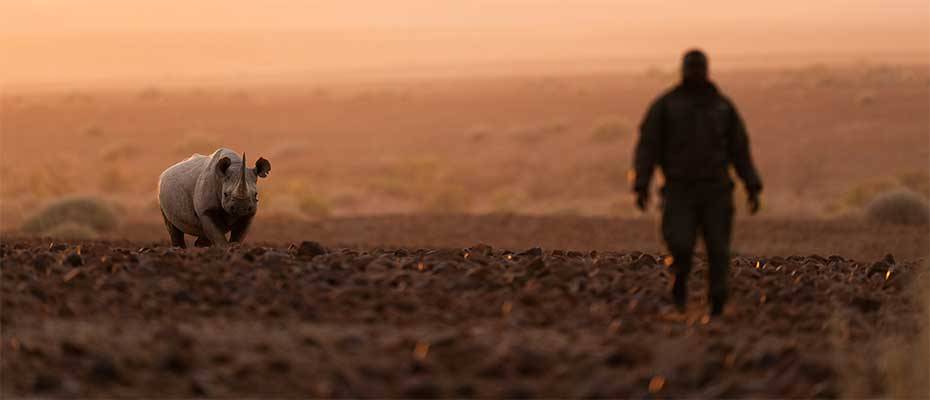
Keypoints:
(71, 231)
(89, 212)
(612, 130)
(313, 205)
(903, 207)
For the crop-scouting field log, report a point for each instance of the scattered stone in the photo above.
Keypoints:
(628, 355)
(43, 261)
(532, 252)
(421, 388)
(56, 247)
(176, 363)
(45, 382)
(74, 260)
(104, 370)
(310, 249)
(866, 305)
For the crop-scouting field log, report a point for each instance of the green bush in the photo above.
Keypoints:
(904, 207)
(84, 211)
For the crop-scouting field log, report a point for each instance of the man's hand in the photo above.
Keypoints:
(754, 203)
(642, 199)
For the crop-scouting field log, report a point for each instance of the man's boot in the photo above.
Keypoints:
(680, 291)
(717, 302)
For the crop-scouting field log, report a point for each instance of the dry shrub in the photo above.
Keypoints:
(446, 200)
(313, 205)
(71, 231)
(114, 180)
(863, 194)
(408, 178)
(611, 130)
(50, 180)
(902, 206)
(537, 133)
(89, 212)
(119, 151)
(507, 200)
(308, 201)
(918, 181)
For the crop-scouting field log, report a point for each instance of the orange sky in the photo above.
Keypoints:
(106, 41)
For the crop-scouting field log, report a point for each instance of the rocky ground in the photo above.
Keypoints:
(130, 319)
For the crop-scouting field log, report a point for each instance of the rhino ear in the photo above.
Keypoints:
(222, 165)
(262, 167)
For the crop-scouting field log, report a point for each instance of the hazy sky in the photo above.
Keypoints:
(173, 40)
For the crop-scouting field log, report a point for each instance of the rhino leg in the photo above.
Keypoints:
(212, 230)
(177, 237)
(202, 242)
(240, 229)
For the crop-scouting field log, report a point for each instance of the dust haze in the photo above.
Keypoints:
(105, 42)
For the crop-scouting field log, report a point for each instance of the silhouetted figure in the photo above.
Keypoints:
(694, 133)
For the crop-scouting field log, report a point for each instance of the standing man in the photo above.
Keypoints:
(694, 133)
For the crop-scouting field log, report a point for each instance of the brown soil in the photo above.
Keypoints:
(137, 318)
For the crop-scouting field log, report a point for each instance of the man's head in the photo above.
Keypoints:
(694, 67)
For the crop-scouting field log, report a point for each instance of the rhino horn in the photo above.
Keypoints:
(241, 188)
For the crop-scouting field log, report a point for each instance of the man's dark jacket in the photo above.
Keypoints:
(694, 135)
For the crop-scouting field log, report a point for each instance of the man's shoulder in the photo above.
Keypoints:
(666, 96)
(669, 93)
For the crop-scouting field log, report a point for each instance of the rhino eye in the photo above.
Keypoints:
(226, 194)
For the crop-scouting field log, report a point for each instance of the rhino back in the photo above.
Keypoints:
(176, 192)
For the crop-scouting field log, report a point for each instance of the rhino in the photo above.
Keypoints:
(210, 196)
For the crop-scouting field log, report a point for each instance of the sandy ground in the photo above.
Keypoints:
(375, 312)
(825, 138)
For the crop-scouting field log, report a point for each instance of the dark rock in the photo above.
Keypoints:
(533, 252)
(889, 259)
(46, 383)
(480, 248)
(183, 296)
(72, 349)
(310, 249)
(279, 365)
(519, 391)
(530, 363)
(43, 260)
(465, 390)
(38, 293)
(176, 363)
(866, 305)
(879, 267)
(628, 355)
(421, 389)
(104, 370)
(198, 389)
(56, 247)
(254, 254)
(74, 260)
